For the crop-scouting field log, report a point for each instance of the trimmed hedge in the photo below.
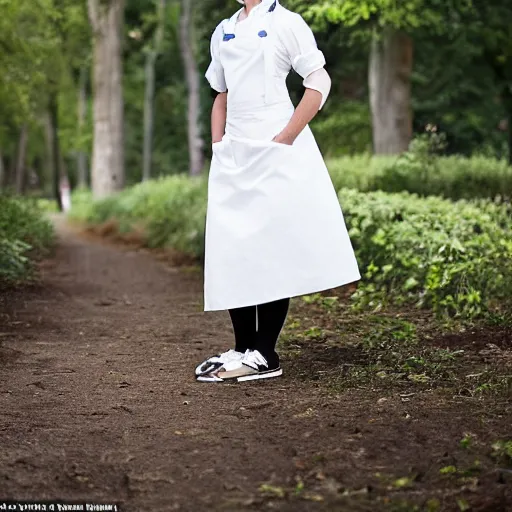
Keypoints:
(453, 258)
(452, 177)
(25, 235)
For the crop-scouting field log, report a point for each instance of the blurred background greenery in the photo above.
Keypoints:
(459, 75)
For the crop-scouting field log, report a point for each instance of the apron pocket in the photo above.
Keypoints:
(257, 143)
(256, 153)
(262, 161)
(222, 155)
(279, 144)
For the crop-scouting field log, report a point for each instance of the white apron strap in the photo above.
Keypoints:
(228, 27)
(269, 43)
(269, 40)
(268, 54)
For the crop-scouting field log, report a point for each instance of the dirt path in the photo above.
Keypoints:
(98, 402)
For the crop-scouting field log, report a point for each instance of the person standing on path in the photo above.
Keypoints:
(274, 227)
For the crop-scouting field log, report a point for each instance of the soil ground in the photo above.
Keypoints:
(98, 401)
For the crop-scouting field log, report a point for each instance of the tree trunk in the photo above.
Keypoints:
(195, 143)
(510, 137)
(53, 136)
(389, 78)
(49, 163)
(108, 147)
(506, 96)
(149, 95)
(10, 178)
(82, 112)
(2, 171)
(21, 160)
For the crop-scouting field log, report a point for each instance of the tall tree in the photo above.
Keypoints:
(75, 46)
(21, 160)
(389, 80)
(195, 142)
(81, 155)
(390, 25)
(149, 95)
(108, 146)
(54, 147)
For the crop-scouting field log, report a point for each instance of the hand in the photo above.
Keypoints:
(282, 139)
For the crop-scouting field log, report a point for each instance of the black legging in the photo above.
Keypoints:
(258, 328)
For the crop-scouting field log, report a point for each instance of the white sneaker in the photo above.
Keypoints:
(234, 365)
(216, 362)
(253, 367)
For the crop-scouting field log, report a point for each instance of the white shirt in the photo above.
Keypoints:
(295, 47)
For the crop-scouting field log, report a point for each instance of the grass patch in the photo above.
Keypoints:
(398, 351)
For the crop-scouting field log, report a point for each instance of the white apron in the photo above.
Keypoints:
(274, 225)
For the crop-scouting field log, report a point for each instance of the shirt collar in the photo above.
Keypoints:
(263, 7)
(259, 10)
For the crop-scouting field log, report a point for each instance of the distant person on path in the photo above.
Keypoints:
(274, 226)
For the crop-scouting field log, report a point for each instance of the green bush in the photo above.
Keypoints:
(344, 129)
(421, 171)
(171, 210)
(47, 205)
(453, 258)
(358, 172)
(24, 236)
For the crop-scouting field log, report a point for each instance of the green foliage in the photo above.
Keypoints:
(14, 265)
(453, 258)
(469, 100)
(82, 205)
(419, 170)
(47, 205)
(24, 235)
(448, 470)
(422, 172)
(466, 441)
(407, 15)
(171, 210)
(28, 40)
(44, 43)
(344, 129)
(502, 451)
(359, 172)
(460, 100)
(170, 146)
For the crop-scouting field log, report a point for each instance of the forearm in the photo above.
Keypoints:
(318, 87)
(306, 110)
(218, 122)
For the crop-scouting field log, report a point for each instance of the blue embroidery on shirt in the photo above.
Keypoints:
(262, 33)
(227, 37)
(272, 7)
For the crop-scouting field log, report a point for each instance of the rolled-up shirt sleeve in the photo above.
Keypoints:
(319, 81)
(301, 46)
(215, 72)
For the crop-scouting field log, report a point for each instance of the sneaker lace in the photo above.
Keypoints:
(230, 355)
(253, 357)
